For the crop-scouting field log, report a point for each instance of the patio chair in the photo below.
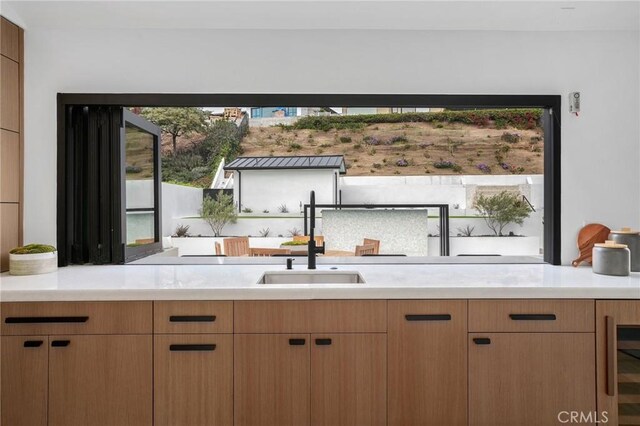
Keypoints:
(365, 250)
(238, 246)
(374, 243)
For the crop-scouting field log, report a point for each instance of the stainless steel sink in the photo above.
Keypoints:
(311, 277)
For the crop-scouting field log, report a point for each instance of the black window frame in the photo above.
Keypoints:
(551, 104)
(137, 252)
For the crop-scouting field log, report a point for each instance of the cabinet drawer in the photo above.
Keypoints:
(311, 316)
(193, 379)
(77, 318)
(192, 317)
(531, 315)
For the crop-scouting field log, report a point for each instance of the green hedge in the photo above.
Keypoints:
(518, 118)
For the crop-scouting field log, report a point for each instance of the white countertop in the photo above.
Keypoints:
(236, 282)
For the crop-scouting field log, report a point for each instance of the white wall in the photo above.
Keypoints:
(269, 189)
(600, 152)
(178, 201)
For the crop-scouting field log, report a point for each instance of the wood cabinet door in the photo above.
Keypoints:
(24, 366)
(427, 363)
(100, 380)
(530, 378)
(9, 95)
(618, 358)
(271, 379)
(349, 379)
(193, 380)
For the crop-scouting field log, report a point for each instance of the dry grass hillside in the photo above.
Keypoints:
(410, 148)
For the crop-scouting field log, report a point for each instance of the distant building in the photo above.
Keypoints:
(268, 183)
(268, 112)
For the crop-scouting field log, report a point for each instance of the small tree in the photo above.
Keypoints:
(176, 121)
(501, 210)
(218, 212)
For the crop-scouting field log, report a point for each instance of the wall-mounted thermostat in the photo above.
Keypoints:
(574, 102)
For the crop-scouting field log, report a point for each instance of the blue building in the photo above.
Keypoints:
(266, 112)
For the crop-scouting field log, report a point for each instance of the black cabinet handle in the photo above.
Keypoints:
(428, 317)
(533, 317)
(297, 342)
(32, 343)
(481, 340)
(192, 318)
(60, 343)
(43, 320)
(323, 342)
(192, 347)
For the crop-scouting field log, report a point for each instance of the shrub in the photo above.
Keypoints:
(283, 208)
(444, 164)
(377, 165)
(518, 118)
(264, 232)
(218, 212)
(294, 243)
(345, 139)
(133, 169)
(510, 137)
(182, 231)
(457, 168)
(484, 168)
(294, 232)
(501, 209)
(467, 231)
(33, 249)
(371, 140)
(247, 210)
(397, 139)
(402, 163)
(294, 147)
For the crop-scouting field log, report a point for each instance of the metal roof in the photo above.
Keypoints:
(288, 162)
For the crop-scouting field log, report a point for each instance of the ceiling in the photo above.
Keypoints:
(328, 15)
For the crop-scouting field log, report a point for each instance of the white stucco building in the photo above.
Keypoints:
(268, 183)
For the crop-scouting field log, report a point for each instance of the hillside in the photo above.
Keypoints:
(414, 148)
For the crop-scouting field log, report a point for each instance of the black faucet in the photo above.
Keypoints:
(312, 250)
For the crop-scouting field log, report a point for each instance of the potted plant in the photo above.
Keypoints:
(33, 259)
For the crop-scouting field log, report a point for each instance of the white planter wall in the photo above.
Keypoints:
(505, 246)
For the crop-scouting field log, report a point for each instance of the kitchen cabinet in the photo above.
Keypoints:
(271, 379)
(193, 379)
(531, 362)
(310, 362)
(9, 167)
(10, 94)
(427, 362)
(9, 232)
(86, 363)
(618, 360)
(100, 380)
(529, 378)
(24, 365)
(349, 379)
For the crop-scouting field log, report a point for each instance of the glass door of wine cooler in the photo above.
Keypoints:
(628, 361)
